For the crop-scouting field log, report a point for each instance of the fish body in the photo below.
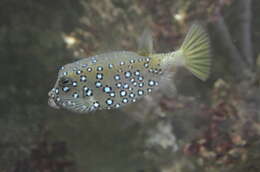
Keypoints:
(114, 79)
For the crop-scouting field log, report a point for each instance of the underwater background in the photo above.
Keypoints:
(191, 126)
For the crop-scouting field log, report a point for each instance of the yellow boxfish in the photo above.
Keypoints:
(114, 79)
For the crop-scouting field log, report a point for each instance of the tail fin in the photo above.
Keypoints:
(195, 52)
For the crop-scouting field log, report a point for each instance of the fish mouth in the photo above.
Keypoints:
(51, 101)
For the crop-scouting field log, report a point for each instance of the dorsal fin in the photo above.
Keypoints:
(145, 43)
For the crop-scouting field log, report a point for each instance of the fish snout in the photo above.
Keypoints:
(51, 93)
(51, 101)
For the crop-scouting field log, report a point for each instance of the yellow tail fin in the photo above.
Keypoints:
(195, 52)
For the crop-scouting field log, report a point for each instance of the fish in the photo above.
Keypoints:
(115, 79)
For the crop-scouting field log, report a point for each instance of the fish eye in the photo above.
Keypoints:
(65, 81)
